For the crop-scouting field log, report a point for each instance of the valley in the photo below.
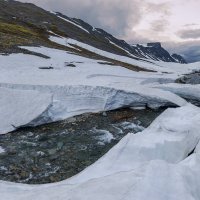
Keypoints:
(85, 115)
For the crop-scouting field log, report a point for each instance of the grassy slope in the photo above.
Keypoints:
(13, 34)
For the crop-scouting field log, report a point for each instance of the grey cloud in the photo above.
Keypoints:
(119, 17)
(189, 34)
(189, 50)
(192, 54)
(192, 24)
(137, 39)
(159, 25)
(163, 8)
(115, 16)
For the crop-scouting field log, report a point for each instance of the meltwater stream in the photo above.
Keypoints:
(57, 151)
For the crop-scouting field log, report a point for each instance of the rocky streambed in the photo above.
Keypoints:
(57, 151)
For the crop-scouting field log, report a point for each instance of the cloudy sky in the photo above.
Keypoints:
(173, 22)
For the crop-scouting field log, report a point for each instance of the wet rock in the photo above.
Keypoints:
(49, 67)
(53, 179)
(60, 145)
(52, 151)
(71, 65)
(35, 169)
(43, 138)
(12, 152)
(23, 175)
(71, 120)
(40, 153)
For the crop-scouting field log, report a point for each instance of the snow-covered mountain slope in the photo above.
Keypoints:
(152, 51)
(155, 51)
(142, 64)
(27, 24)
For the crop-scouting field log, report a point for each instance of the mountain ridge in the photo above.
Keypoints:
(34, 26)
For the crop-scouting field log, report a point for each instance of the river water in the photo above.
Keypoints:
(57, 151)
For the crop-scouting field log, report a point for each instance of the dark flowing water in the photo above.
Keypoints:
(57, 151)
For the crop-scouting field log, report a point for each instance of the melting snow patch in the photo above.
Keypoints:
(75, 24)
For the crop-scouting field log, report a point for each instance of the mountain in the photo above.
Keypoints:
(155, 51)
(190, 50)
(179, 58)
(26, 24)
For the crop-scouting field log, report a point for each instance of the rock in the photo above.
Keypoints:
(71, 119)
(46, 68)
(24, 175)
(60, 145)
(35, 169)
(70, 65)
(52, 151)
(12, 151)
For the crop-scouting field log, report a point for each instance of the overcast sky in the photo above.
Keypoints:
(163, 20)
(171, 21)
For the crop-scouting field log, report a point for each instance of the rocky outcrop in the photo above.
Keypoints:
(155, 51)
(179, 58)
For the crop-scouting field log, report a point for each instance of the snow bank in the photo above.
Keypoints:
(19, 108)
(186, 91)
(68, 101)
(153, 164)
(171, 137)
